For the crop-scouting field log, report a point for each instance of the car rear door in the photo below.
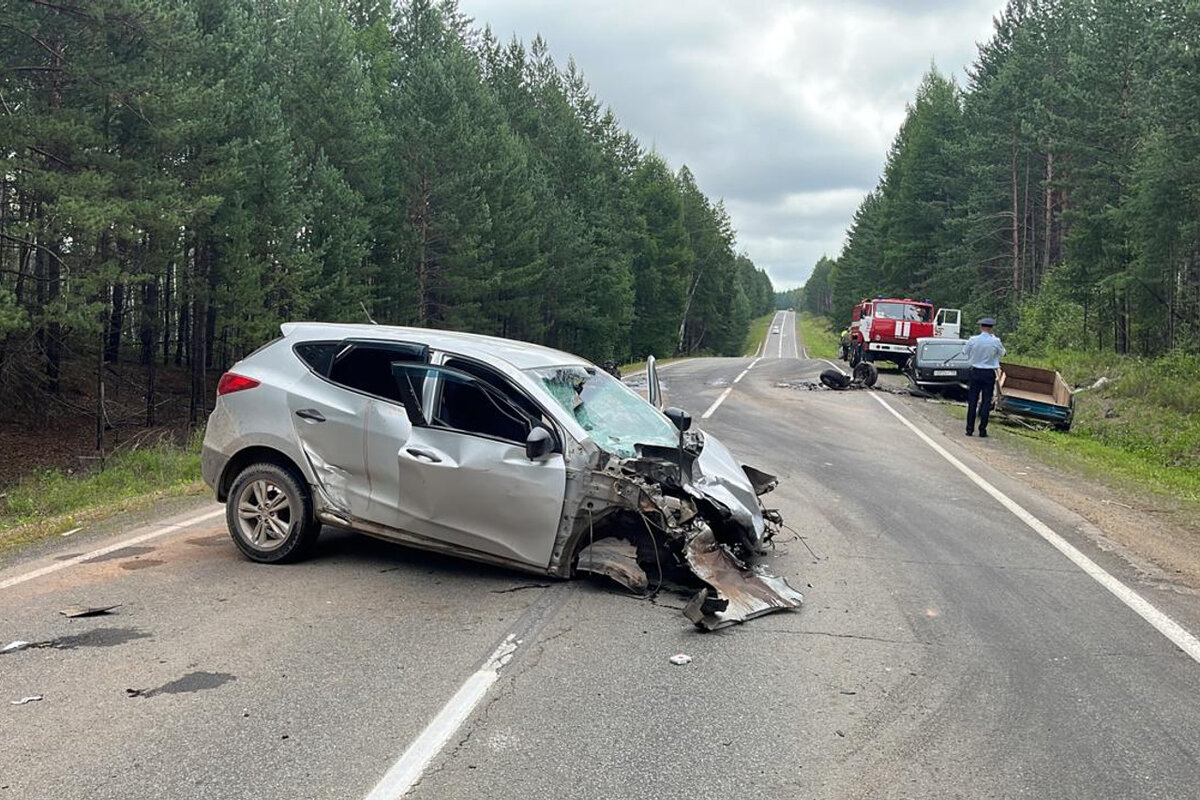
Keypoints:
(329, 407)
(461, 472)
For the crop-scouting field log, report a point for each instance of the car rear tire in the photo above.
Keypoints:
(269, 513)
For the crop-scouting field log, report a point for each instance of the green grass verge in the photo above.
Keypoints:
(53, 501)
(757, 334)
(640, 366)
(818, 335)
(1142, 425)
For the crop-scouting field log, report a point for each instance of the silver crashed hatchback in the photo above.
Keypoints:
(491, 449)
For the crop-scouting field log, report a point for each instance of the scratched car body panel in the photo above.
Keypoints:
(499, 451)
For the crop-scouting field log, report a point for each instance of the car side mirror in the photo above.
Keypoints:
(680, 418)
(539, 443)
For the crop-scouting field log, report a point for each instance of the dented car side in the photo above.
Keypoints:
(604, 483)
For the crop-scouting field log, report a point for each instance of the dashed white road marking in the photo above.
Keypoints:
(1168, 627)
(145, 537)
(716, 403)
(741, 375)
(408, 769)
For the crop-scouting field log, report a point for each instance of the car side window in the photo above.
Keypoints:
(473, 408)
(318, 355)
(368, 368)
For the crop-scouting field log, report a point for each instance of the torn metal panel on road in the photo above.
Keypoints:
(743, 592)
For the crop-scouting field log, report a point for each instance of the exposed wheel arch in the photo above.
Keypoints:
(258, 454)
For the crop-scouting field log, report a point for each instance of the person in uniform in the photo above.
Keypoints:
(983, 351)
(844, 343)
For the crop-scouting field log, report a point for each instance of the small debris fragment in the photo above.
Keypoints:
(33, 698)
(522, 587)
(87, 611)
(846, 691)
(13, 647)
(135, 692)
(679, 659)
(841, 734)
(73, 530)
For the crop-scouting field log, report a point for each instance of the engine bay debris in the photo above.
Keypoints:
(688, 520)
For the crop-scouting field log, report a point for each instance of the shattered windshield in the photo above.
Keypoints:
(613, 415)
(943, 352)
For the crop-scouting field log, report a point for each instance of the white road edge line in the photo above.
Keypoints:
(716, 403)
(408, 769)
(145, 537)
(835, 366)
(1168, 627)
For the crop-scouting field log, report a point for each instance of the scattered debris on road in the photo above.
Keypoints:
(75, 611)
(13, 647)
(521, 588)
(33, 698)
(679, 659)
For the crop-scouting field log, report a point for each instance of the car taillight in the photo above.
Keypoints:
(232, 382)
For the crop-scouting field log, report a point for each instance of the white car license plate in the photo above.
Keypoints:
(945, 373)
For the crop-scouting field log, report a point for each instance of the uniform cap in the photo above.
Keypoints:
(987, 322)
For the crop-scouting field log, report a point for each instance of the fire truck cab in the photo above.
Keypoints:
(887, 329)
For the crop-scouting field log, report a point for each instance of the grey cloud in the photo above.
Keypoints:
(768, 102)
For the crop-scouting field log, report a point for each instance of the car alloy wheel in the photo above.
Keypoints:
(265, 514)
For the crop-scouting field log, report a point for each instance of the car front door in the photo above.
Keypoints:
(462, 473)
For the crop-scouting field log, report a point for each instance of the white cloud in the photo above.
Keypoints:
(784, 109)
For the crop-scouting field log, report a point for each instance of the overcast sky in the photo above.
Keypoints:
(784, 108)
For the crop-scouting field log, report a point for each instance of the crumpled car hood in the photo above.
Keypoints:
(721, 478)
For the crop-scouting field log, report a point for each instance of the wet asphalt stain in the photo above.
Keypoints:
(209, 541)
(141, 563)
(124, 552)
(188, 684)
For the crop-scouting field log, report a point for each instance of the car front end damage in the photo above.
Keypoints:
(687, 519)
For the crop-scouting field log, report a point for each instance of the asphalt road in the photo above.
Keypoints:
(946, 649)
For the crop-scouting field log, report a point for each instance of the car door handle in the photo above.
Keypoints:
(431, 457)
(310, 414)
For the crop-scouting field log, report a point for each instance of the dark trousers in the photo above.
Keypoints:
(979, 394)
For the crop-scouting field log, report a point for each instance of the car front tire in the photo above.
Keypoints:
(269, 513)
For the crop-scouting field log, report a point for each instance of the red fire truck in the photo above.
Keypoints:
(887, 328)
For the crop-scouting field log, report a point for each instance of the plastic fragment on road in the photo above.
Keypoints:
(33, 698)
(13, 647)
(87, 611)
(679, 659)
